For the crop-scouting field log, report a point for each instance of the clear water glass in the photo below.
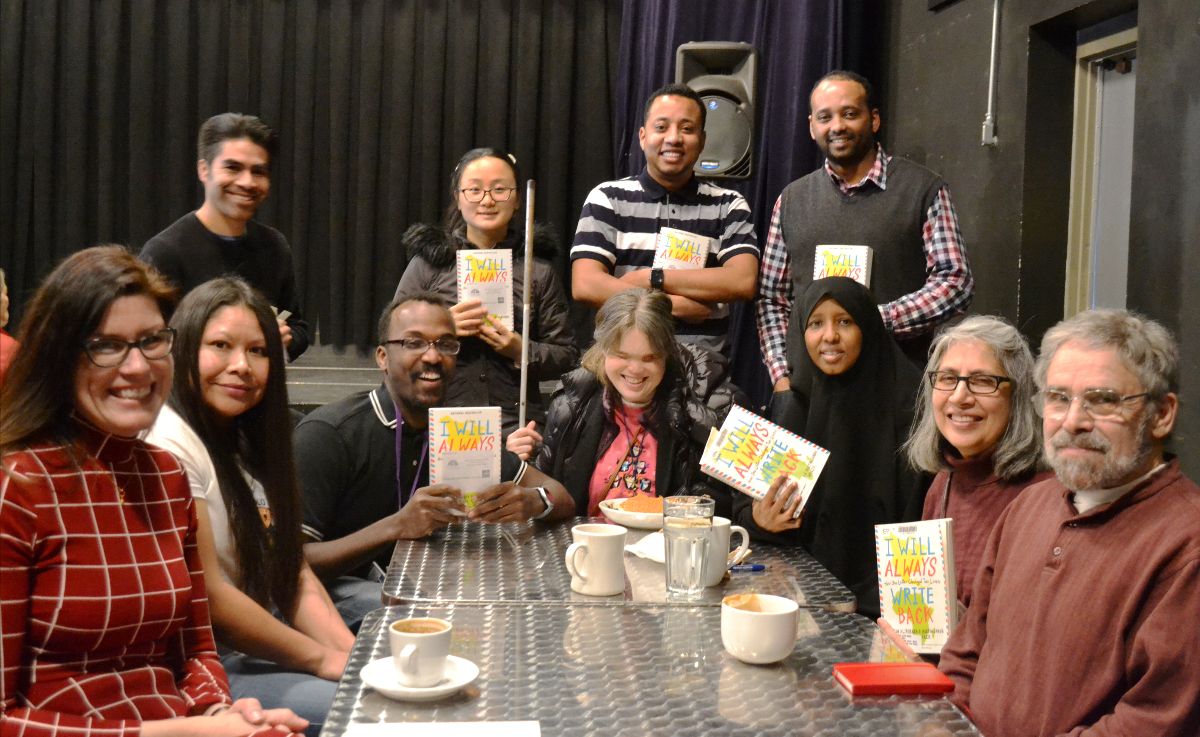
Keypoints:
(687, 522)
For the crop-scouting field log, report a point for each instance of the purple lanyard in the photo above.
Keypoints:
(400, 495)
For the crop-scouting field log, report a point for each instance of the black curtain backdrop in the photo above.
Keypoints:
(797, 41)
(374, 100)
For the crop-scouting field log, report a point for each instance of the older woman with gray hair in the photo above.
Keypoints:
(977, 429)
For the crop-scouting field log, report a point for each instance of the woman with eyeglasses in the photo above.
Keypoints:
(228, 423)
(976, 427)
(484, 199)
(102, 600)
(860, 392)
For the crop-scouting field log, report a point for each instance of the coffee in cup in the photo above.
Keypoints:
(758, 628)
(419, 650)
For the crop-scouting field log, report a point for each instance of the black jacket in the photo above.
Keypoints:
(579, 428)
(484, 377)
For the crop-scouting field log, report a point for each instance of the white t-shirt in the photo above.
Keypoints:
(171, 433)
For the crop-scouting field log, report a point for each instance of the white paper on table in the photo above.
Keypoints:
(446, 729)
(651, 547)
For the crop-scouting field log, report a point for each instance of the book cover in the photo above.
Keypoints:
(486, 274)
(849, 261)
(917, 591)
(749, 452)
(679, 249)
(464, 448)
(867, 679)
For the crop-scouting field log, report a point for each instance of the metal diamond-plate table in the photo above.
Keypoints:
(636, 671)
(524, 562)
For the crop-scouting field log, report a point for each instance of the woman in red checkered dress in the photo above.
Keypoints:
(104, 625)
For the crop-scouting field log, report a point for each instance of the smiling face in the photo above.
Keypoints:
(417, 381)
(634, 369)
(236, 182)
(125, 399)
(1101, 453)
(972, 423)
(840, 122)
(833, 339)
(233, 362)
(672, 138)
(487, 220)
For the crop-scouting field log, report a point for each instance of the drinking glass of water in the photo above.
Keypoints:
(687, 521)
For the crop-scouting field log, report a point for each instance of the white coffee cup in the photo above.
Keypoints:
(719, 556)
(596, 559)
(758, 628)
(419, 650)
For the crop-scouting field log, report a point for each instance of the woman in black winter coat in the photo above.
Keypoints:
(483, 201)
(628, 422)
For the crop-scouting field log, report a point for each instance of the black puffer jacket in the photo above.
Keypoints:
(579, 429)
(484, 377)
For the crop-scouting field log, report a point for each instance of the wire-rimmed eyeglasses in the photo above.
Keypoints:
(1097, 403)
(499, 194)
(110, 352)
(947, 381)
(444, 346)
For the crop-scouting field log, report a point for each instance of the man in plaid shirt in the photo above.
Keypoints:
(862, 196)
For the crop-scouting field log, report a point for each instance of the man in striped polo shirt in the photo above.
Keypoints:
(622, 220)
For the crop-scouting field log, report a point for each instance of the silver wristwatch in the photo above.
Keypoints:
(541, 490)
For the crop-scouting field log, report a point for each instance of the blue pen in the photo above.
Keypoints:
(748, 568)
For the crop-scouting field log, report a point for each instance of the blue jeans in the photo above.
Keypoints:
(354, 597)
(303, 693)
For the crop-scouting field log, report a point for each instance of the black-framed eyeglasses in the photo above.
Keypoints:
(499, 194)
(444, 346)
(1098, 403)
(110, 352)
(947, 381)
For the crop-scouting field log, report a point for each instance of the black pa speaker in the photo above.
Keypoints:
(723, 73)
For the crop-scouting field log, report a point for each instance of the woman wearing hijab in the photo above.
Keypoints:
(861, 391)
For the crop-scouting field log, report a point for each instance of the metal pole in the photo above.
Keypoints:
(989, 120)
(526, 296)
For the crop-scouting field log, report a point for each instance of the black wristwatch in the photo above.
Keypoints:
(656, 279)
(541, 490)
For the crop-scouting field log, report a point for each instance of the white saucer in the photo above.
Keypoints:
(381, 675)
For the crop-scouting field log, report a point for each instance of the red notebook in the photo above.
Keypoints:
(891, 678)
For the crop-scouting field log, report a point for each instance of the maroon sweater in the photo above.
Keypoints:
(977, 497)
(1085, 624)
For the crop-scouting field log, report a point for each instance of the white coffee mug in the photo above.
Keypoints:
(758, 628)
(596, 560)
(719, 557)
(419, 650)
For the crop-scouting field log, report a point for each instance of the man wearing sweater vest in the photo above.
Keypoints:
(1083, 620)
(221, 237)
(862, 196)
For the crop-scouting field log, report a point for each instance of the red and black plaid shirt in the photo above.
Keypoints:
(103, 611)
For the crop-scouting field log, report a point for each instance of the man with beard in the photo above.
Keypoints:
(861, 196)
(221, 237)
(622, 221)
(1084, 615)
(363, 461)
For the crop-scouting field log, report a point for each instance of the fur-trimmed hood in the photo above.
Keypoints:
(437, 247)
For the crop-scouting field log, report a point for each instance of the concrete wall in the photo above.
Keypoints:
(1012, 198)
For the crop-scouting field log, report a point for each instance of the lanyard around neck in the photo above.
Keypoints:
(401, 497)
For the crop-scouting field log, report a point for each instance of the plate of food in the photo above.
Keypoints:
(639, 512)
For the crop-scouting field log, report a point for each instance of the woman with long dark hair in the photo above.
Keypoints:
(228, 422)
(105, 625)
(484, 199)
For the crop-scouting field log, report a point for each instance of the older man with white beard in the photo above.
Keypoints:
(1086, 602)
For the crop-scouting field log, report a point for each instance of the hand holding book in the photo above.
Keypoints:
(780, 510)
